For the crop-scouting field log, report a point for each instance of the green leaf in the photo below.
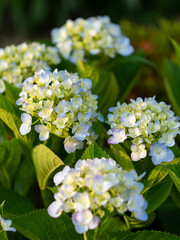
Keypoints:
(12, 92)
(177, 50)
(38, 225)
(14, 203)
(171, 76)
(11, 117)
(126, 71)
(121, 157)
(149, 235)
(103, 84)
(174, 172)
(3, 135)
(9, 161)
(157, 194)
(45, 162)
(94, 151)
(25, 176)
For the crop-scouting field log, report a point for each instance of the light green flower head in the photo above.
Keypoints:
(149, 125)
(93, 36)
(21, 61)
(94, 187)
(63, 104)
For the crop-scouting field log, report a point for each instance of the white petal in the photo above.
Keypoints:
(55, 209)
(59, 177)
(26, 118)
(43, 136)
(25, 129)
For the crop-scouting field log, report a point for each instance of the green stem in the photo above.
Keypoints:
(85, 236)
(95, 233)
(127, 223)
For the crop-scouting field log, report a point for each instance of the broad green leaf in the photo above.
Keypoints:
(155, 176)
(149, 235)
(45, 162)
(9, 161)
(126, 71)
(38, 225)
(14, 203)
(113, 225)
(94, 151)
(25, 176)
(175, 195)
(10, 116)
(3, 135)
(171, 76)
(104, 84)
(12, 92)
(157, 194)
(174, 172)
(121, 157)
(177, 50)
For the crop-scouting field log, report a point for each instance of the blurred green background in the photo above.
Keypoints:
(33, 19)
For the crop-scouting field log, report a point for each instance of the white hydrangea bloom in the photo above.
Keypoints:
(149, 125)
(63, 105)
(81, 38)
(21, 61)
(160, 153)
(6, 225)
(93, 187)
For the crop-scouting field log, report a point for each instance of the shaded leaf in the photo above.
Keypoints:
(171, 76)
(14, 203)
(94, 151)
(157, 194)
(149, 235)
(104, 84)
(121, 157)
(38, 225)
(11, 117)
(12, 92)
(3, 135)
(9, 161)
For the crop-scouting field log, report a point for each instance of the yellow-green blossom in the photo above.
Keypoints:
(63, 104)
(81, 38)
(92, 188)
(149, 125)
(21, 61)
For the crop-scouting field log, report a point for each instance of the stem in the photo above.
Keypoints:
(85, 236)
(95, 233)
(127, 223)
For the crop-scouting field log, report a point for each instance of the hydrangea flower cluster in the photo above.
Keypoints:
(6, 225)
(93, 36)
(21, 61)
(149, 125)
(63, 105)
(95, 187)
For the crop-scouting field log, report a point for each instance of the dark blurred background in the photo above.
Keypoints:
(22, 20)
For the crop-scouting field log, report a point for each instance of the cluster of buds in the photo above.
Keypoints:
(62, 104)
(82, 38)
(21, 61)
(95, 187)
(149, 125)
